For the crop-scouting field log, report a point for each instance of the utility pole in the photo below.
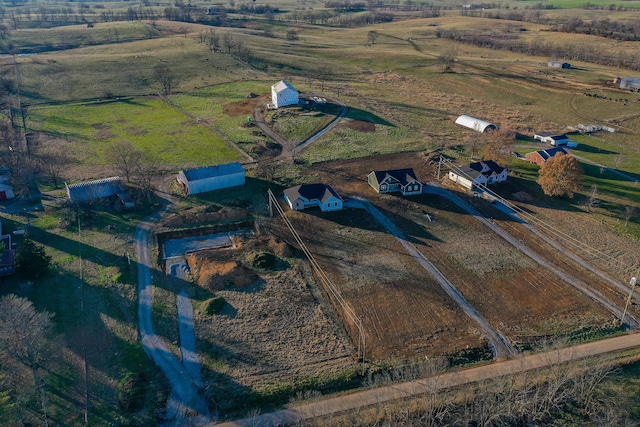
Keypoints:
(632, 282)
(439, 163)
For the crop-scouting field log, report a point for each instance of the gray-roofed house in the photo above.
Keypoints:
(478, 173)
(311, 195)
(389, 181)
(540, 157)
(475, 124)
(210, 178)
(99, 189)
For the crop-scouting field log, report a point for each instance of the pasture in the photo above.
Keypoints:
(402, 106)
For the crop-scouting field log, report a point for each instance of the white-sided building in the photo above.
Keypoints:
(310, 195)
(283, 94)
(389, 181)
(210, 178)
(478, 173)
(475, 124)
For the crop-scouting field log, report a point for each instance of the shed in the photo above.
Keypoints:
(388, 181)
(310, 195)
(630, 83)
(558, 64)
(210, 178)
(475, 124)
(552, 138)
(98, 189)
(283, 94)
(6, 192)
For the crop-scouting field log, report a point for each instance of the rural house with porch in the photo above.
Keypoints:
(478, 173)
(390, 181)
(311, 195)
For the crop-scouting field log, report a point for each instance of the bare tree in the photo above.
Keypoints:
(145, 170)
(53, 159)
(593, 198)
(292, 35)
(228, 41)
(24, 337)
(372, 36)
(629, 212)
(165, 77)
(498, 145)
(125, 157)
(447, 59)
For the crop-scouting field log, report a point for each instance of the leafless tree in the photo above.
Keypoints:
(53, 159)
(125, 157)
(447, 59)
(228, 42)
(372, 36)
(165, 77)
(24, 337)
(593, 198)
(145, 170)
(629, 212)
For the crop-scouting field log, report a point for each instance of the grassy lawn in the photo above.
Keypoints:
(149, 123)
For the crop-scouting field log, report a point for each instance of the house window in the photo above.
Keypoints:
(383, 187)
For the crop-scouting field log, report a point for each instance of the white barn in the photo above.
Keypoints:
(210, 178)
(309, 195)
(283, 94)
(475, 124)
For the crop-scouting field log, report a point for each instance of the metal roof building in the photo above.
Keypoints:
(475, 124)
(210, 178)
(630, 83)
(98, 189)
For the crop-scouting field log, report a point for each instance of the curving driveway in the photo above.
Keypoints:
(187, 405)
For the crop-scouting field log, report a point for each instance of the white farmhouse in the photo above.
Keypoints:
(211, 178)
(283, 93)
(478, 173)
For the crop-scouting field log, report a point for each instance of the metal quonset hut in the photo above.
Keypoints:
(475, 124)
(210, 178)
(630, 83)
(283, 93)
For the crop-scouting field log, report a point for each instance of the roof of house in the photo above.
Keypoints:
(8, 257)
(468, 171)
(90, 190)
(475, 124)
(545, 134)
(322, 192)
(629, 81)
(403, 175)
(546, 154)
(282, 85)
(490, 164)
(213, 171)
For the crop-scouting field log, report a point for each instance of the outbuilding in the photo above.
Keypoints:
(311, 195)
(283, 94)
(210, 178)
(556, 139)
(99, 189)
(475, 124)
(630, 83)
(558, 64)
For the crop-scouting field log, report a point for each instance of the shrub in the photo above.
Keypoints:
(212, 306)
(31, 259)
(131, 392)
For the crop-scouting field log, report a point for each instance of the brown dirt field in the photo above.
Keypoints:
(272, 328)
(244, 107)
(362, 126)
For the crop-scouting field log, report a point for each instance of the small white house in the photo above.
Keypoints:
(556, 139)
(475, 124)
(310, 195)
(478, 173)
(283, 94)
(210, 178)
(389, 181)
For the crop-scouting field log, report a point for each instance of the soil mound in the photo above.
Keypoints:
(362, 126)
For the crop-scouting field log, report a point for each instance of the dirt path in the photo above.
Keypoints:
(284, 143)
(499, 344)
(186, 405)
(320, 408)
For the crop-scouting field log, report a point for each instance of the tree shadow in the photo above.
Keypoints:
(365, 116)
(586, 148)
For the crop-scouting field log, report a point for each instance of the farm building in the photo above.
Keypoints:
(402, 180)
(6, 192)
(540, 157)
(557, 139)
(98, 189)
(310, 195)
(558, 64)
(210, 178)
(630, 83)
(478, 173)
(283, 94)
(475, 124)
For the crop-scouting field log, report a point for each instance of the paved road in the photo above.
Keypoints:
(380, 395)
(500, 345)
(186, 405)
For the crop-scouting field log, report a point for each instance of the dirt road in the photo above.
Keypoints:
(380, 395)
(186, 405)
(499, 344)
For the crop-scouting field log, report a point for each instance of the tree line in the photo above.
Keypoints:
(536, 47)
